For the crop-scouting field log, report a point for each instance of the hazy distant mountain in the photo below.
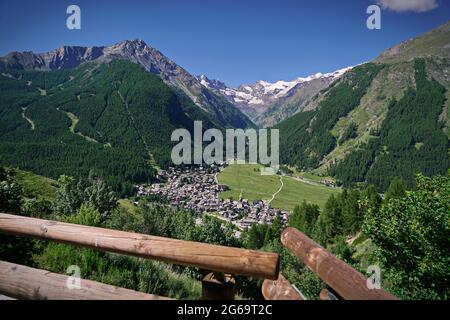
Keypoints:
(268, 103)
(139, 52)
(380, 120)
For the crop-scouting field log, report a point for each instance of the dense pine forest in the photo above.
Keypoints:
(410, 140)
(305, 138)
(110, 120)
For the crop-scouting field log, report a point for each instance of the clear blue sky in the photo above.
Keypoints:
(236, 41)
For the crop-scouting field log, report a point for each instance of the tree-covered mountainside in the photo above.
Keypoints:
(343, 139)
(380, 120)
(410, 139)
(138, 52)
(306, 137)
(434, 43)
(111, 120)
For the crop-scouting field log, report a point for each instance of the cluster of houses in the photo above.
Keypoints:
(197, 189)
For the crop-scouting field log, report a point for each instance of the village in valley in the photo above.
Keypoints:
(196, 189)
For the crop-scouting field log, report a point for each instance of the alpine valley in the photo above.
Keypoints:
(268, 103)
(380, 120)
(89, 187)
(109, 111)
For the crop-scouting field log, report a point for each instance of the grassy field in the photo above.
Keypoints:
(245, 181)
(246, 178)
(35, 185)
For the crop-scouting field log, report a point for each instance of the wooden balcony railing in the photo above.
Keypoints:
(341, 277)
(22, 282)
(222, 262)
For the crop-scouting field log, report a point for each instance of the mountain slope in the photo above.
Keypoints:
(409, 140)
(434, 43)
(139, 52)
(380, 120)
(112, 120)
(269, 103)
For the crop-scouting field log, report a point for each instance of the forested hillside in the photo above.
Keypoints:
(380, 120)
(358, 134)
(410, 139)
(138, 52)
(111, 120)
(306, 137)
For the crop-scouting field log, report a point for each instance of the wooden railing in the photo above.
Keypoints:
(22, 282)
(222, 262)
(347, 282)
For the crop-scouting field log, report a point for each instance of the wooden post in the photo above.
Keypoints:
(325, 294)
(20, 282)
(218, 286)
(280, 289)
(201, 255)
(346, 281)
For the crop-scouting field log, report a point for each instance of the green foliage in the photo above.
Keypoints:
(37, 208)
(73, 194)
(343, 215)
(340, 248)
(114, 120)
(261, 235)
(155, 219)
(132, 273)
(214, 231)
(35, 186)
(352, 213)
(349, 133)
(256, 236)
(12, 248)
(410, 139)
(10, 192)
(304, 217)
(305, 138)
(330, 222)
(397, 188)
(87, 216)
(412, 234)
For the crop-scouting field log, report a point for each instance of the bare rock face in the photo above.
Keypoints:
(139, 52)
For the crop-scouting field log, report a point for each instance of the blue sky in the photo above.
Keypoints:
(236, 41)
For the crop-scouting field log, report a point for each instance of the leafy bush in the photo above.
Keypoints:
(412, 234)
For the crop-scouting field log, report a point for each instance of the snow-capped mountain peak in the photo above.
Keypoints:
(254, 99)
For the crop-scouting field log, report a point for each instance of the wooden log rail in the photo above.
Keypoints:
(26, 283)
(346, 281)
(204, 256)
(280, 289)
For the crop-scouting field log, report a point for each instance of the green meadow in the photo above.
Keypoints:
(37, 186)
(245, 180)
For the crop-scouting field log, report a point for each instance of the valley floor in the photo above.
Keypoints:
(283, 192)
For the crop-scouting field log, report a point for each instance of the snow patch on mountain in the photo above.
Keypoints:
(263, 92)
